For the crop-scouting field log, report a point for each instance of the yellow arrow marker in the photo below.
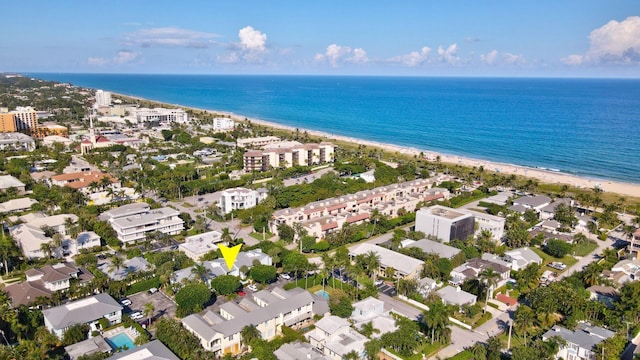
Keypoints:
(230, 254)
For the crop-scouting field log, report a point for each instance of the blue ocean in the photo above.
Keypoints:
(587, 127)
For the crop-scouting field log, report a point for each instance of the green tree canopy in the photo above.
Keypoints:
(192, 298)
(225, 284)
(263, 273)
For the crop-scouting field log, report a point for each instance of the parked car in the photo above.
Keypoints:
(253, 287)
(125, 302)
(136, 315)
(153, 290)
(285, 276)
(378, 282)
(557, 265)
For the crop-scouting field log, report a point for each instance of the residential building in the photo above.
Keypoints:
(335, 338)
(103, 98)
(535, 203)
(239, 198)
(223, 124)
(133, 222)
(257, 142)
(85, 311)
(22, 119)
(487, 222)
(134, 265)
(623, 271)
(32, 233)
(266, 310)
(299, 351)
(10, 182)
(87, 182)
(549, 211)
(323, 217)
(16, 141)
(218, 267)
(444, 223)
(275, 156)
(371, 310)
(196, 246)
(153, 350)
(521, 258)
(473, 267)
(17, 205)
(44, 282)
(94, 345)
(405, 266)
(579, 342)
(426, 285)
(455, 296)
(433, 247)
(604, 294)
(634, 245)
(161, 115)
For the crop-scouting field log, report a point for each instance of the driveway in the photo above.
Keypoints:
(400, 307)
(586, 260)
(163, 304)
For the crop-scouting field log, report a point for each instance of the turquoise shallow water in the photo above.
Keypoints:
(586, 127)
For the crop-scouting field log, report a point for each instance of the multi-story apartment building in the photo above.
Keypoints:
(22, 119)
(161, 115)
(16, 141)
(292, 154)
(444, 223)
(240, 198)
(132, 222)
(257, 142)
(223, 124)
(322, 217)
(103, 98)
(266, 310)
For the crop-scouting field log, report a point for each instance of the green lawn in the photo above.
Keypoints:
(585, 249)
(546, 258)
(258, 235)
(465, 355)
(427, 349)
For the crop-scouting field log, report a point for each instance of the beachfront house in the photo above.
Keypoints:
(85, 311)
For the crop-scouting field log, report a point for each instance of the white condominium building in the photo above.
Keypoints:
(240, 198)
(103, 98)
(288, 156)
(132, 222)
(223, 124)
(161, 115)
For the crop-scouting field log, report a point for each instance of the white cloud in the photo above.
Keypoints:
(359, 56)
(251, 48)
(337, 54)
(490, 57)
(449, 55)
(121, 57)
(509, 58)
(97, 61)
(170, 37)
(615, 42)
(413, 58)
(252, 39)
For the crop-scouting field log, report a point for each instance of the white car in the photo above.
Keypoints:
(253, 287)
(125, 302)
(136, 315)
(285, 276)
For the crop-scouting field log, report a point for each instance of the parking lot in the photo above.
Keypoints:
(387, 289)
(163, 305)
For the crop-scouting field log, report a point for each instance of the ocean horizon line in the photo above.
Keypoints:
(405, 76)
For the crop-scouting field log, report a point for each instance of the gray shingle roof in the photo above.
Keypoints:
(585, 336)
(81, 311)
(434, 247)
(154, 350)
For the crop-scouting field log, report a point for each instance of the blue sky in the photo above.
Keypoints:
(583, 38)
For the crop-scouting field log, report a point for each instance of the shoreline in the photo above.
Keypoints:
(543, 175)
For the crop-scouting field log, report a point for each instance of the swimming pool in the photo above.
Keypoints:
(121, 340)
(322, 293)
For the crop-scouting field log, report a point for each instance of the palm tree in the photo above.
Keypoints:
(148, 311)
(372, 261)
(46, 249)
(524, 318)
(200, 271)
(249, 333)
(226, 235)
(56, 242)
(368, 330)
(436, 318)
(489, 277)
(329, 263)
(116, 263)
(591, 274)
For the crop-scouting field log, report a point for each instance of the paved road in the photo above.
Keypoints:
(307, 178)
(399, 307)
(586, 260)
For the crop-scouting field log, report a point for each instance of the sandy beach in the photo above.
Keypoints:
(544, 176)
